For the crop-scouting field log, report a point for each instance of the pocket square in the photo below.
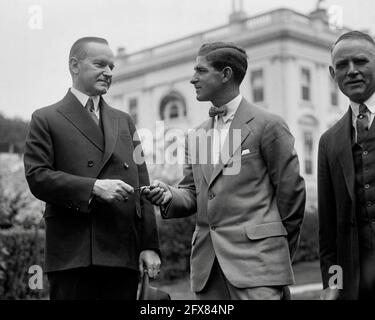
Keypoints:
(246, 151)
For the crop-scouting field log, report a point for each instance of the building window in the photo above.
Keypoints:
(133, 109)
(305, 84)
(308, 145)
(117, 100)
(172, 107)
(257, 85)
(174, 111)
(334, 92)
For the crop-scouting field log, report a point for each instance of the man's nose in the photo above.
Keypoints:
(108, 71)
(193, 79)
(352, 70)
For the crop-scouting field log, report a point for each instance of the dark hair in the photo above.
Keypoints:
(78, 48)
(226, 54)
(355, 35)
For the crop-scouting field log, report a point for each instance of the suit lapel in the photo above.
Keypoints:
(344, 151)
(75, 113)
(110, 128)
(231, 145)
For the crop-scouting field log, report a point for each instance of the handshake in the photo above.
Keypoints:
(157, 193)
(109, 190)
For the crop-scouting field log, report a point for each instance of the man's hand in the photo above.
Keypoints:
(110, 190)
(329, 294)
(149, 260)
(158, 193)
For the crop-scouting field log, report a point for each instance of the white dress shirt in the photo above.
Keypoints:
(370, 103)
(83, 98)
(221, 127)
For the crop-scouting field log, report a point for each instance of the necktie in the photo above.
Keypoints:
(362, 123)
(220, 111)
(90, 108)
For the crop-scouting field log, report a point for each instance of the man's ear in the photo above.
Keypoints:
(332, 73)
(227, 74)
(74, 65)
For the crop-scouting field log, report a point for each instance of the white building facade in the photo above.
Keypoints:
(289, 56)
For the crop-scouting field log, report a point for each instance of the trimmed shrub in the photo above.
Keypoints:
(19, 250)
(308, 249)
(175, 245)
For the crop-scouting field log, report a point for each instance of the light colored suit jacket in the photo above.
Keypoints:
(250, 221)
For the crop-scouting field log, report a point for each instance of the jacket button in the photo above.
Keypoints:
(126, 166)
(211, 196)
(367, 186)
(369, 204)
(365, 153)
(90, 163)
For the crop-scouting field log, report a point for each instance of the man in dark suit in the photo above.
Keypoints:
(79, 160)
(346, 176)
(249, 195)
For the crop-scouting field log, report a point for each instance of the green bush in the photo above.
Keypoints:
(175, 246)
(19, 250)
(308, 249)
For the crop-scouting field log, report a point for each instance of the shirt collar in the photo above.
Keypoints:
(232, 107)
(83, 98)
(370, 103)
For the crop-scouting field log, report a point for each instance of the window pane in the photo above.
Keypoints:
(334, 92)
(257, 85)
(133, 109)
(308, 145)
(305, 84)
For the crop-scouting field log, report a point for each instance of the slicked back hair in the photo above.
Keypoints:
(226, 54)
(354, 35)
(78, 49)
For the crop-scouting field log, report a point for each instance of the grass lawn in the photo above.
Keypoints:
(304, 272)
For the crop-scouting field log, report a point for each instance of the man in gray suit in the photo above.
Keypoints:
(249, 199)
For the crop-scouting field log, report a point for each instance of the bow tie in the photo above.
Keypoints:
(221, 111)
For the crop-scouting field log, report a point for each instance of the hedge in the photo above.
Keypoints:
(19, 250)
(175, 245)
(308, 249)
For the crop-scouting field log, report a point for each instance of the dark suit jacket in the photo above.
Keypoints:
(336, 204)
(65, 153)
(249, 218)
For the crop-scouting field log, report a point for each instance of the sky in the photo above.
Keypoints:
(37, 35)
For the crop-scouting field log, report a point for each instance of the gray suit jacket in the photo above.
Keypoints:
(250, 218)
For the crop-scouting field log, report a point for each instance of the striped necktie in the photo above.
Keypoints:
(362, 123)
(90, 108)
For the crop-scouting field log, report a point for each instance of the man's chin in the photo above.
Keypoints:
(357, 95)
(102, 90)
(200, 98)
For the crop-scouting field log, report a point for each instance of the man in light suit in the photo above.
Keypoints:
(79, 160)
(346, 176)
(249, 199)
